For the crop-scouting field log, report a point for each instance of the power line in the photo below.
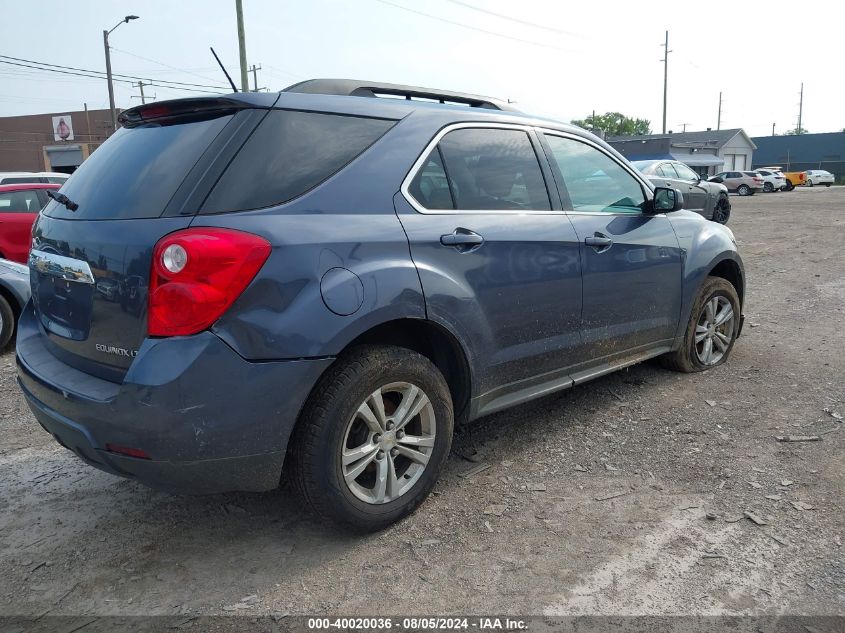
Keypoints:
(512, 19)
(472, 28)
(90, 76)
(102, 74)
(147, 59)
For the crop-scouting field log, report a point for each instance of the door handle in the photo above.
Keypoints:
(599, 242)
(462, 239)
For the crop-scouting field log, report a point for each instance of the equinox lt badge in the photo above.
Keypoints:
(117, 351)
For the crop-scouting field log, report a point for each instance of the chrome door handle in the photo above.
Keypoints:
(462, 239)
(599, 242)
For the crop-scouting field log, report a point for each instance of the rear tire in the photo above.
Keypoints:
(789, 186)
(715, 296)
(744, 190)
(827, 184)
(768, 187)
(355, 459)
(7, 323)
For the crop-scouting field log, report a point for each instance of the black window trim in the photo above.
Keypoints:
(419, 164)
(645, 185)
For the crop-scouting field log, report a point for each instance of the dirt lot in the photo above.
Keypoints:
(596, 500)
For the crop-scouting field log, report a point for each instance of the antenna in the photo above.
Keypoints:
(223, 68)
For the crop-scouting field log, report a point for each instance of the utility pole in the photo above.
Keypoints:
(239, 9)
(87, 122)
(800, 109)
(665, 61)
(773, 129)
(141, 85)
(254, 70)
(684, 125)
(719, 117)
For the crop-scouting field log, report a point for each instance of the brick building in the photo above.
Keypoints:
(57, 141)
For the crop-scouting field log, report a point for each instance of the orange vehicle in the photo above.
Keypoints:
(793, 178)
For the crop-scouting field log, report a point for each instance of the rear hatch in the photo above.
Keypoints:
(91, 254)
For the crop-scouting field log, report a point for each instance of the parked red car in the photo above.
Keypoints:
(19, 206)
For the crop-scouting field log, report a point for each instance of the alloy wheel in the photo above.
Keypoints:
(714, 331)
(388, 442)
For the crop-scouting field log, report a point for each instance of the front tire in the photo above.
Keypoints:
(373, 437)
(7, 323)
(711, 331)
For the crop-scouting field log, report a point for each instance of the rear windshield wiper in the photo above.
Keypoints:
(62, 199)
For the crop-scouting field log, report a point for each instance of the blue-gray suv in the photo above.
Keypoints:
(316, 285)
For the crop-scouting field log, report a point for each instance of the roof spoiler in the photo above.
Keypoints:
(179, 109)
(359, 88)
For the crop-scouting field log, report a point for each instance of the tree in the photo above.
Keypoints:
(615, 124)
(796, 131)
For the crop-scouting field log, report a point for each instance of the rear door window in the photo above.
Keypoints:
(290, 153)
(430, 186)
(494, 170)
(136, 172)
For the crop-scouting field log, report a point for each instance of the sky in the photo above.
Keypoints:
(557, 59)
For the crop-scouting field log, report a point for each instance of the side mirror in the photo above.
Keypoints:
(666, 200)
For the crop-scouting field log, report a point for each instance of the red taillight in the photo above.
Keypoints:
(197, 274)
(137, 453)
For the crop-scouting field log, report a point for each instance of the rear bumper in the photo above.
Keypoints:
(210, 420)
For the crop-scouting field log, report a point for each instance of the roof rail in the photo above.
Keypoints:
(359, 88)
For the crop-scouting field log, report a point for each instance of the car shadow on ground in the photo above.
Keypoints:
(266, 540)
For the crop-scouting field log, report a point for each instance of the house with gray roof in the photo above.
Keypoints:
(707, 152)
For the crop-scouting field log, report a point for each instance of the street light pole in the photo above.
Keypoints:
(108, 69)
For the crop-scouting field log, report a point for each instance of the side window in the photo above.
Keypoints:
(288, 154)
(494, 170)
(20, 202)
(685, 173)
(594, 181)
(430, 186)
(667, 171)
(55, 180)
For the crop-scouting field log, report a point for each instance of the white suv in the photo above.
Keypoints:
(773, 180)
(16, 177)
(819, 177)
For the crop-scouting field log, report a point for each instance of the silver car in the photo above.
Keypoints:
(14, 293)
(745, 183)
(710, 199)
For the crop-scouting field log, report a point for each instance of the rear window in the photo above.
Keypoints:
(16, 180)
(136, 172)
(289, 153)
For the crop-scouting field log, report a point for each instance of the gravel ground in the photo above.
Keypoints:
(623, 496)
